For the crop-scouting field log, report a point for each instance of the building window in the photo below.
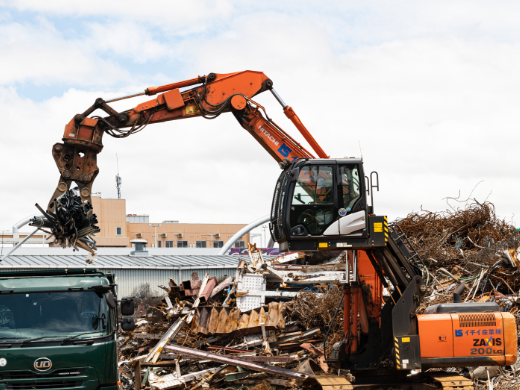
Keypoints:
(169, 244)
(218, 244)
(240, 244)
(160, 244)
(201, 244)
(182, 244)
(119, 231)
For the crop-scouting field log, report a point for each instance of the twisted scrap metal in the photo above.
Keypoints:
(473, 233)
(72, 224)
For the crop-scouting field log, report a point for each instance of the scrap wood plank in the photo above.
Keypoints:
(156, 351)
(171, 380)
(206, 380)
(137, 376)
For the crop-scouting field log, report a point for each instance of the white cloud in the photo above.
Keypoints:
(131, 40)
(38, 53)
(179, 17)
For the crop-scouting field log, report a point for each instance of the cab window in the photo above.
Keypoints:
(350, 186)
(312, 203)
(314, 186)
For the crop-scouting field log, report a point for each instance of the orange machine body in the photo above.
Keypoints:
(371, 285)
(465, 339)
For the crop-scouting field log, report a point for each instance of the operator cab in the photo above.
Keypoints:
(318, 203)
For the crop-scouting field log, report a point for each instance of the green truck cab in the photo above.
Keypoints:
(58, 330)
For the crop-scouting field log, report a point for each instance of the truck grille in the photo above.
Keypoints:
(48, 385)
(32, 375)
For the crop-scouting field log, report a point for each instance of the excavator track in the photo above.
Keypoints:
(448, 381)
(427, 381)
(327, 382)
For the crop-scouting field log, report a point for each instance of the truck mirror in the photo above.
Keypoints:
(127, 306)
(128, 324)
(111, 301)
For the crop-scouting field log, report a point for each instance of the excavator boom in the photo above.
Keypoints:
(213, 95)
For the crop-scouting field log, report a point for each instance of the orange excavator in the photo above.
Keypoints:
(320, 204)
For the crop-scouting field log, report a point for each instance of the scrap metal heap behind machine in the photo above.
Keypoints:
(320, 204)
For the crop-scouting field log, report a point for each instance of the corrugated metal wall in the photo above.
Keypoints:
(130, 279)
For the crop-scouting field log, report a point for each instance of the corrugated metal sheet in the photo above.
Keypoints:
(123, 261)
(131, 271)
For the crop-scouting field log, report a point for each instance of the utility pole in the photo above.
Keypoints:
(118, 180)
(155, 226)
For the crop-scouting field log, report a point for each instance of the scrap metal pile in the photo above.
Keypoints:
(247, 330)
(72, 222)
(470, 245)
(273, 323)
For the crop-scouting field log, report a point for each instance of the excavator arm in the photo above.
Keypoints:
(211, 96)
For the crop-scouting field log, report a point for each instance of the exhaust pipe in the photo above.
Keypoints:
(457, 293)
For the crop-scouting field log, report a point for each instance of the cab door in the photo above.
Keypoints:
(351, 201)
(313, 200)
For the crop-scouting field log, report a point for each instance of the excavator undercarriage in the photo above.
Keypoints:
(426, 381)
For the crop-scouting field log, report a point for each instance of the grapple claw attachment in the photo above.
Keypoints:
(70, 220)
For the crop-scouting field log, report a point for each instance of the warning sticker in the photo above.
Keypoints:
(192, 110)
(378, 227)
(323, 245)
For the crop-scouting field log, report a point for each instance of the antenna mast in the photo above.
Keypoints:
(118, 180)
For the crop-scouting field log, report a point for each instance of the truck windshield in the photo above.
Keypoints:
(66, 313)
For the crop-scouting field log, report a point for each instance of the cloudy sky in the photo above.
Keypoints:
(430, 90)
